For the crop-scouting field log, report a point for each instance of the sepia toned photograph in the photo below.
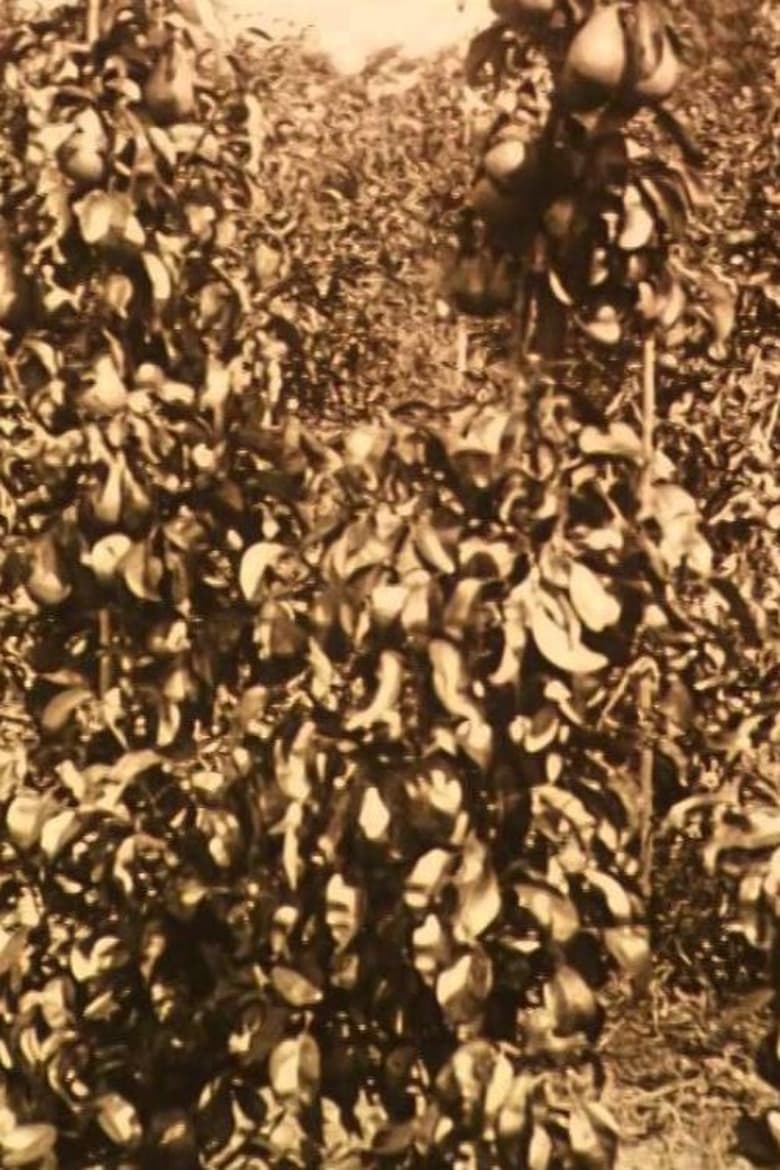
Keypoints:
(389, 585)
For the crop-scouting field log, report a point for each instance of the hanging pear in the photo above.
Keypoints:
(519, 10)
(136, 504)
(481, 284)
(596, 62)
(656, 68)
(169, 92)
(15, 290)
(107, 500)
(82, 157)
(45, 583)
(506, 160)
(496, 207)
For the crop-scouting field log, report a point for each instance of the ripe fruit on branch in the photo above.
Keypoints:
(653, 64)
(621, 51)
(481, 284)
(169, 92)
(107, 499)
(15, 290)
(106, 555)
(604, 326)
(85, 167)
(658, 85)
(82, 156)
(518, 10)
(507, 188)
(505, 160)
(496, 207)
(596, 62)
(45, 583)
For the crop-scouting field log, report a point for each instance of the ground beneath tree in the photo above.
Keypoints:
(679, 1077)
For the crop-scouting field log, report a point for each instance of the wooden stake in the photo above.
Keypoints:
(461, 355)
(104, 640)
(93, 21)
(646, 687)
(648, 405)
(646, 793)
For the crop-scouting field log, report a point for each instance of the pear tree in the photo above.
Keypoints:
(575, 222)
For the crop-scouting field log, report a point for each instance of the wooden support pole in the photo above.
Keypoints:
(646, 687)
(105, 671)
(93, 22)
(648, 401)
(461, 356)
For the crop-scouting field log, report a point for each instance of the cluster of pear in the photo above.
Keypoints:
(168, 96)
(577, 201)
(622, 52)
(620, 47)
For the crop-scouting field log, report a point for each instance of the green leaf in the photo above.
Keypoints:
(343, 911)
(540, 1149)
(431, 549)
(427, 877)
(106, 555)
(256, 563)
(479, 902)
(593, 1144)
(475, 738)
(562, 647)
(596, 607)
(58, 831)
(462, 988)
(570, 1000)
(12, 948)
(295, 988)
(605, 327)
(159, 278)
(450, 680)
(387, 602)
(24, 1145)
(294, 1069)
(374, 818)
(430, 947)
(618, 901)
(25, 818)
(384, 704)
(630, 947)
(142, 572)
(45, 583)
(721, 306)
(515, 1115)
(556, 914)
(618, 440)
(118, 1119)
(638, 227)
(106, 218)
(59, 710)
